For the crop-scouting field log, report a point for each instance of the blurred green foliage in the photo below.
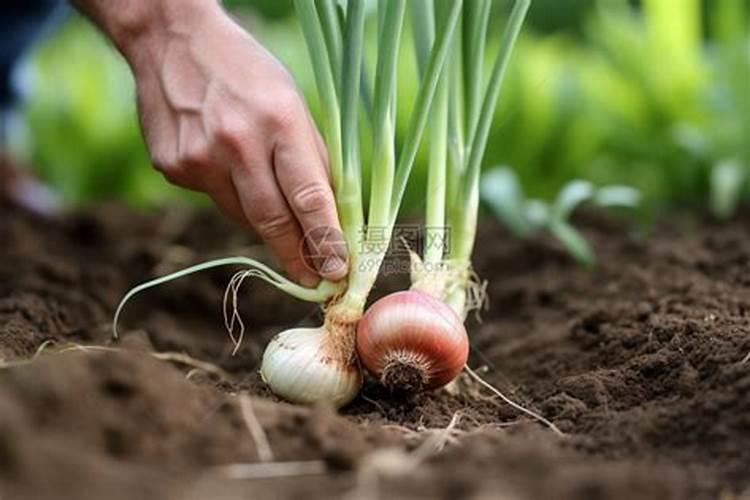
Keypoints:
(641, 99)
(83, 128)
(524, 216)
(653, 94)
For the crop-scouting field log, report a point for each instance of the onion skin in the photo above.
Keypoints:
(412, 341)
(301, 366)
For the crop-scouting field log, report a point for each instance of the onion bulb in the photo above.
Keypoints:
(412, 341)
(302, 365)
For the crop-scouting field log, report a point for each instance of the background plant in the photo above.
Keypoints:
(651, 96)
(502, 192)
(83, 134)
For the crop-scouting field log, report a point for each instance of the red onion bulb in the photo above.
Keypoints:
(412, 341)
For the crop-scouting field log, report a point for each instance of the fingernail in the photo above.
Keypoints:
(334, 266)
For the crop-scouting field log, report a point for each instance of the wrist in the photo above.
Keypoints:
(139, 28)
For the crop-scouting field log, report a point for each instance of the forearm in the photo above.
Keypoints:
(133, 24)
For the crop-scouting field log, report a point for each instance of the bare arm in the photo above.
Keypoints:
(221, 115)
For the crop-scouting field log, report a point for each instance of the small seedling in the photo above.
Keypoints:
(502, 192)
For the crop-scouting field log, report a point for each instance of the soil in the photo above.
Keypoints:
(641, 362)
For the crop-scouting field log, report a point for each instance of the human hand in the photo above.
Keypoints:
(221, 115)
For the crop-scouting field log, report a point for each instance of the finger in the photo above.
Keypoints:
(303, 179)
(266, 209)
(225, 197)
(320, 144)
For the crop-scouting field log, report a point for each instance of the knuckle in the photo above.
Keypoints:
(161, 162)
(195, 156)
(312, 198)
(173, 176)
(168, 167)
(284, 110)
(233, 135)
(274, 225)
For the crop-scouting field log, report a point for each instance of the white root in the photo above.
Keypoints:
(512, 403)
(174, 357)
(232, 318)
(449, 278)
(184, 359)
(476, 295)
(394, 462)
(262, 446)
(438, 439)
(271, 470)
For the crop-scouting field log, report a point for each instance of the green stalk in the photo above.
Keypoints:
(464, 225)
(456, 129)
(372, 251)
(381, 18)
(386, 195)
(366, 91)
(331, 19)
(350, 86)
(324, 79)
(423, 27)
(383, 161)
(350, 92)
(423, 103)
(463, 172)
(476, 19)
(423, 22)
(332, 34)
(436, 177)
(345, 178)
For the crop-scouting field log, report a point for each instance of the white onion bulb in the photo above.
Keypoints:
(300, 366)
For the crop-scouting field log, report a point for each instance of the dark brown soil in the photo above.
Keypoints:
(639, 362)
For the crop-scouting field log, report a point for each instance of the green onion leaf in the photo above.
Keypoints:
(426, 93)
